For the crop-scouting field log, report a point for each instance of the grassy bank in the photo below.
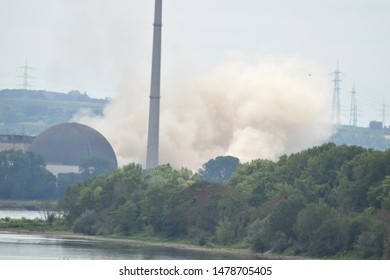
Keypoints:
(35, 225)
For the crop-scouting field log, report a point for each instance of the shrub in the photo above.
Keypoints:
(225, 232)
(86, 223)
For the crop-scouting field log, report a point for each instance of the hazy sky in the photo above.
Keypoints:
(95, 45)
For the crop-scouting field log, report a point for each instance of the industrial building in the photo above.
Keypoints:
(64, 146)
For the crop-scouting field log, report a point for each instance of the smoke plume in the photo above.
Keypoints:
(246, 107)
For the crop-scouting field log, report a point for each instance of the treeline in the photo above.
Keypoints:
(327, 201)
(23, 176)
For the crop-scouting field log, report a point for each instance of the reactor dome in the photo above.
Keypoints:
(64, 146)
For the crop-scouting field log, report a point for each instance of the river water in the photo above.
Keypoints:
(43, 247)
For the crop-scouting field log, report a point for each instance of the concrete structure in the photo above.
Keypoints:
(64, 146)
(154, 103)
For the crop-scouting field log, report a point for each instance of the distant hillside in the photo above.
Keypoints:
(376, 138)
(30, 112)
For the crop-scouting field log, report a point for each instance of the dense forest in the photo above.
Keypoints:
(328, 201)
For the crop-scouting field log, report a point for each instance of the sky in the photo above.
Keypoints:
(103, 48)
(88, 45)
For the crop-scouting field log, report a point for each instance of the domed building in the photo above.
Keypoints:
(66, 146)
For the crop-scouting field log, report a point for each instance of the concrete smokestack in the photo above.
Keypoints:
(154, 103)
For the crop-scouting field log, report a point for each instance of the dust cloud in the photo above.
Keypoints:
(245, 107)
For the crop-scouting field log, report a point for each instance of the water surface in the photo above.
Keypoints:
(40, 247)
(14, 246)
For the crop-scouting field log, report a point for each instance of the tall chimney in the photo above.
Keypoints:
(154, 102)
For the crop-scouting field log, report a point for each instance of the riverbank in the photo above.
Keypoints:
(57, 229)
(237, 253)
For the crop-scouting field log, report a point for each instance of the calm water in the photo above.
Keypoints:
(40, 247)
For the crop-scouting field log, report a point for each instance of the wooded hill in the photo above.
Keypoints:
(328, 201)
(29, 112)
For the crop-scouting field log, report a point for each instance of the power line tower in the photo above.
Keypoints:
(353, 110)
(26, 77)
(335, 116)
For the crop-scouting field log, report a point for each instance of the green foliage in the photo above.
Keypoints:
(283, 217)
(86, 223)
(327, 201)
(219, 170)
(319, 230)
(256, 178)
(257, 236)
(357, 178)
(368, 234)
(23, 176)
(225, 232)
(370, 242)
(29, 225)
(379, 196)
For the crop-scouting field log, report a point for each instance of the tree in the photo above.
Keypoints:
(358, 176)
(219, 170)
(326, 201)
(126, 218)
(282, 219)
(319, 230)
(379, 196)
(162, 184)
(225, 231)
(257, 178)
(114, 200)
(86, 223)
(24, 176)
(366, 234)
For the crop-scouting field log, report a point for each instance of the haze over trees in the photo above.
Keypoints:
(24, 176)
(327, 201)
